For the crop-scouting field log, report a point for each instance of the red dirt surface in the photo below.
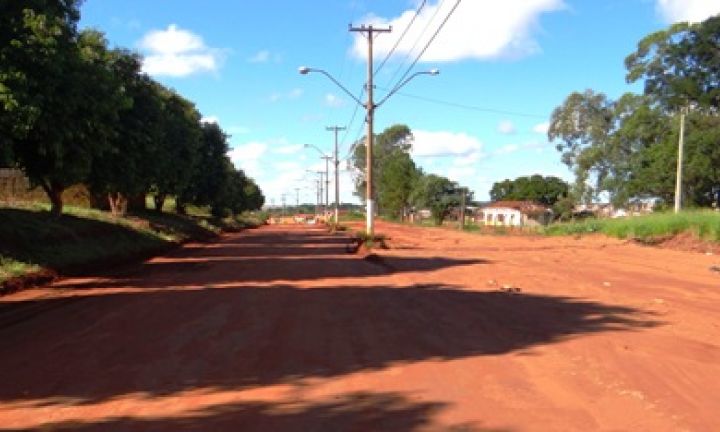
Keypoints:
(281, 329)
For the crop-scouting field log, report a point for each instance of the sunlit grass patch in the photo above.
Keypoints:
(705, 224)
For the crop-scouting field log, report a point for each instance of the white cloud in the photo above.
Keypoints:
(477, 30)
(462, 175)
(333, 100)
(210, 119)
(312, 118)
(443, 143)
(247, 157)
(260, 57)
(507, 149)
(674, 11)
(467, 160)
(132, 24)
(506, 127)
(538, 146)
(288, 149)
(541, 128)
(176, 52)
(284, 166)
(295, 93)
(280, 167)
(237, 130)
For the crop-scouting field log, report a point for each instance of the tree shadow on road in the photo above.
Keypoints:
(359, 411)
(97, 348)
(212, 267)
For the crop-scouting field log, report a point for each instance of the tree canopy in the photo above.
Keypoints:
(387, 145)
(72, 110)
(438, 194)
(627, 148)
(680, 66)
(544, 190)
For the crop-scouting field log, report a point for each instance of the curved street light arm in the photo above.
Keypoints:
(402, 84)
(305, 70)
(316, 148)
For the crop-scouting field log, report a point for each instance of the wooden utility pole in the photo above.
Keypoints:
(370, 31)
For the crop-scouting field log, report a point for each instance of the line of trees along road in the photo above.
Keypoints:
(73, 110)
(399, 184)
(628, 148)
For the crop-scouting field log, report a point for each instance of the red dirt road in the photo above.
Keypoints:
(281, 329)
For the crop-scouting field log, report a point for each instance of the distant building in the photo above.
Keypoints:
(607, 210)
(514, 214)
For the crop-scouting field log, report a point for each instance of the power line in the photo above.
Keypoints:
(392, 50)
(467, 106)
(430, 41)
(349, 124)
(351, 150)
(420, 36)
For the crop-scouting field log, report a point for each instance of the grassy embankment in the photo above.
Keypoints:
(32, 241)
(703, 224)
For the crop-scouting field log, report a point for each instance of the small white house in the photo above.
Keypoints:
(515, 214)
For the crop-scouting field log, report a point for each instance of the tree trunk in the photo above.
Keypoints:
(118, 203)
(54, 192)
(123, 205)
(111, 202)
(159, 200)
(180, 207)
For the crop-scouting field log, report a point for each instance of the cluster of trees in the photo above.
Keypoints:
(544, 190)
(73, 110)
(550, 191)
(627, 148)
(399, 184)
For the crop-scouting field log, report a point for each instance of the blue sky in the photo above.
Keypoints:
(504, 66)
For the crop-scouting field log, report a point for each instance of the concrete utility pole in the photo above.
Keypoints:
(317, 196)
(370, 107)
(320, 191)
(678, 176)
(462, 209)
(327, 181)
(297, 198)
(336, 129)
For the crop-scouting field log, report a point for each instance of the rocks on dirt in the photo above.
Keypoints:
(507, 288)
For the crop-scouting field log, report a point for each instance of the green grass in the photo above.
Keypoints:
(351, 216)
(10, 268)
(705, 224)
(31, 239)
(377, 240)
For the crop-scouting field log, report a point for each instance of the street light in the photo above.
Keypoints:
(395, 89)
(319, 188)
(327, 173)
(369, 106)
(304, 70)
